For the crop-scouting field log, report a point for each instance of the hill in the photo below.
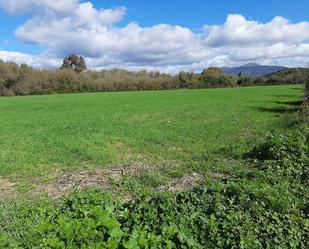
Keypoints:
(290, 72)
(289, 76)
(253, 69)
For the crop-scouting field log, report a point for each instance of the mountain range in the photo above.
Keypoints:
(253, 69)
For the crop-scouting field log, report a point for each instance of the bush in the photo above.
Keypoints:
(284, 154)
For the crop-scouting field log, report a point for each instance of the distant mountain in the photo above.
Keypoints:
(253, 69)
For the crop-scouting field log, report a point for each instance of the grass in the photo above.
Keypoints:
(264, 208)
(237, 200)
(40, 134)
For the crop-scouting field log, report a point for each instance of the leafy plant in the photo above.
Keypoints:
(265, 208)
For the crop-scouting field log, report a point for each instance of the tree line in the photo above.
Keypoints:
(73, 77)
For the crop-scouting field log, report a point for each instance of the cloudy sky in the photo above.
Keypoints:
(165, 35)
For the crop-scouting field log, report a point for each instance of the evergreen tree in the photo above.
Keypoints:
(74, 62)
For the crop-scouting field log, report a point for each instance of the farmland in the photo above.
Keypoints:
(101, 129)
(153, 139)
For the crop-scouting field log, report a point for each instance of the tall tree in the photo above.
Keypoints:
(74, 62)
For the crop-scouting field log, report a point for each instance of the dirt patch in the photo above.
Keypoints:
(184, 183)
(7, 189)
(60, 184)
(81, 180)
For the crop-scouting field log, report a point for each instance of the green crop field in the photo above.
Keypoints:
(40, 134)
(215, 168)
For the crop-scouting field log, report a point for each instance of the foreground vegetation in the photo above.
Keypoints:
(265, 206)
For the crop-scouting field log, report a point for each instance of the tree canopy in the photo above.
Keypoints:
(74, 62)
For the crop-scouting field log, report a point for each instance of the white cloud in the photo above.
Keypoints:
(240, 32)
(92, 32)
(21, 6)
(71, 26)
(38, 61)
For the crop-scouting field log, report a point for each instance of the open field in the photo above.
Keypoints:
(174, 169)
(41, 135)
(101, 129)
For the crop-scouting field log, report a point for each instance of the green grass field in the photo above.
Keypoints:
(186, 182)
(39, 133)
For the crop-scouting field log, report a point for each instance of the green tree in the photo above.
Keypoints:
(74, 62)
(212, 72)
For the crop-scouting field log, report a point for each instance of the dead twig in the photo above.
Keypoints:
(79, 184)
(303, 111)
(119, 170)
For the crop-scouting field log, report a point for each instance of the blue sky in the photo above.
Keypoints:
(196, 13)
(29, 32)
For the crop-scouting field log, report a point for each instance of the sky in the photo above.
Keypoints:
(165, 35)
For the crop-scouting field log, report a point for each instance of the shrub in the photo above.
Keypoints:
(285, 154)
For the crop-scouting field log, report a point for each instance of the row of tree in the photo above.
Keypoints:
(73, 77)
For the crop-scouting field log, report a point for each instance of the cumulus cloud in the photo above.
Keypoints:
(92, 33)
(80, 26)
(237, 31)
(21, 6)
(38, 61)
(72, 26)
(244, 40)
